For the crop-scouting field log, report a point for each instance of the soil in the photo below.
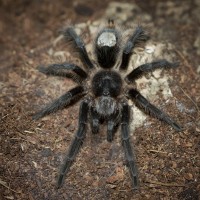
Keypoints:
(32, 151)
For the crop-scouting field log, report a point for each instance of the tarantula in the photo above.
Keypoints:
(105, 88)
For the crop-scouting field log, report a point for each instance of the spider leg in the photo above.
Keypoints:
(138, 37)
(95, 121)
(127, 145)
(61, 102)
(112, 125)
(148, 67)
(64, 70)
(71, 35)
(111, 129)
(76, 144)
(151, 109)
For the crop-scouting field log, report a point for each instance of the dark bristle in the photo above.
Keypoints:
(111, 23)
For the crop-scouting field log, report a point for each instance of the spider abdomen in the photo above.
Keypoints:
(107, 47)
(106, 83)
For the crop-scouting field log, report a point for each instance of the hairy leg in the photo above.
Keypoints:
(95, 121)
(71, 35)
(61, 102)
(134, 40)
(112, 125)
(127, 145)
(148, 67)
(64, 70)
(151, 109)
(76, 144)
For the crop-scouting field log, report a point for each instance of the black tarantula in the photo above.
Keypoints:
(105, 89)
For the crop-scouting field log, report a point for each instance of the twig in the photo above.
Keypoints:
(28, 131)
(156, 151)
(186, 62)
(165, 184)
(4, 184)
(190, 99)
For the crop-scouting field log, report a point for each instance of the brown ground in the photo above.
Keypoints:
(31, 152)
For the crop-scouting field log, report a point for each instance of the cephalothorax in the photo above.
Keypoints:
(105, 89)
